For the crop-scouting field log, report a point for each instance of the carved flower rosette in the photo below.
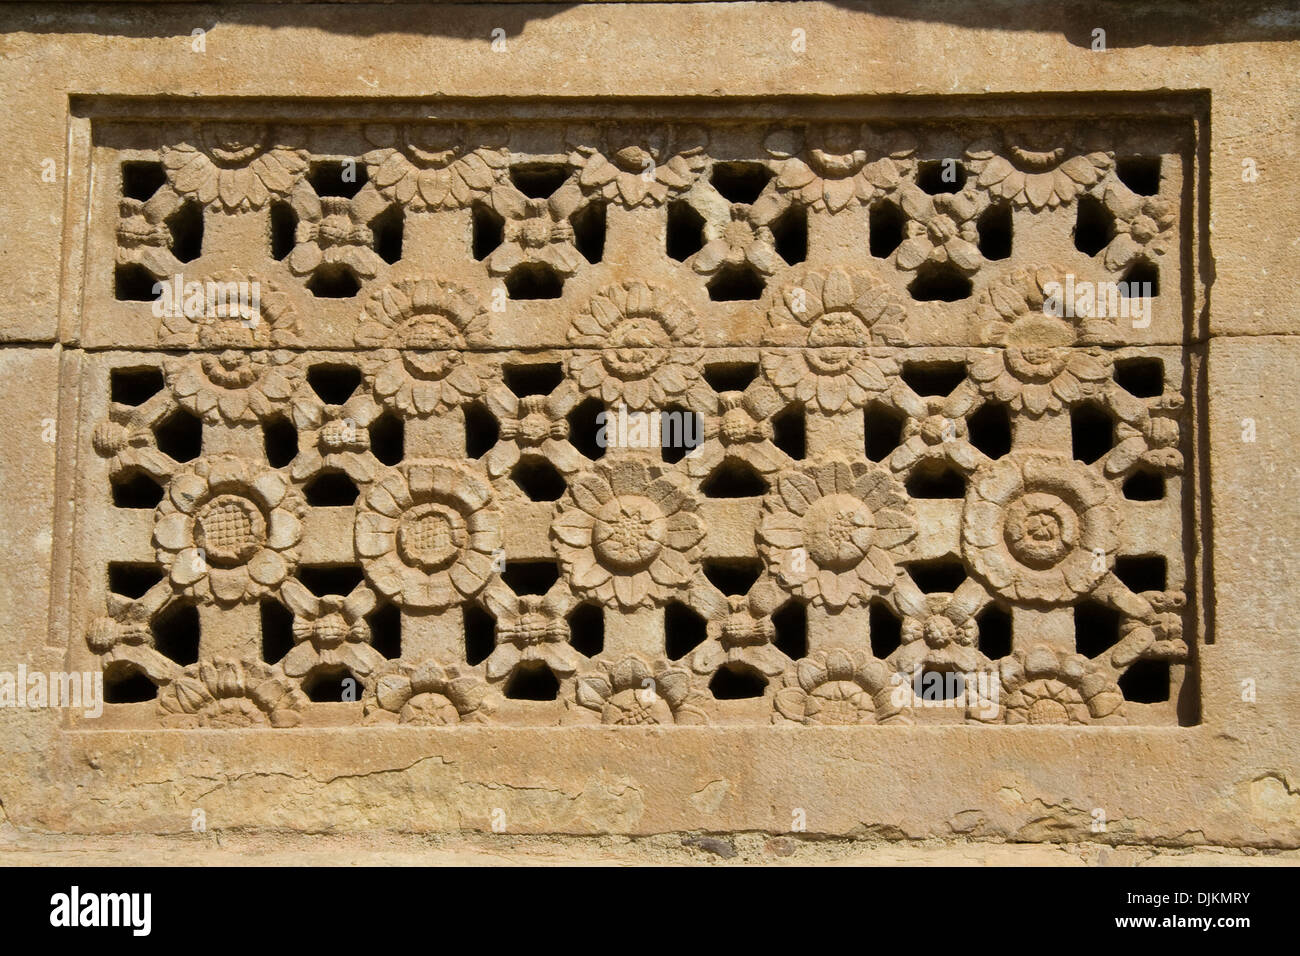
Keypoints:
(227, 531)
(427, 533)
(820, 327)
(1039, 527)
(638, 346)
(832, 532)
(419, 329)
(627, 533)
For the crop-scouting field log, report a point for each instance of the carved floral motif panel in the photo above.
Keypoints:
(702, 420)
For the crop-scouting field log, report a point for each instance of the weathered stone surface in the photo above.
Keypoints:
(352, 555)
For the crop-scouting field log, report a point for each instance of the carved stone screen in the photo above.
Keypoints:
(671, 414)
(649, 432)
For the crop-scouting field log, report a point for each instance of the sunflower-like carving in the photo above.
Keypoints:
(832, 532)
(227, 531)
(1039, 527)
(633, 692)
(1038, 369)
(420, 328)
(821, 325)
(639, 165)
(234, 386)
(427, 532)
(1038, 176)
(836, 165)
(638, 347)
(627, 533)
(427, 695)
(233, 167)
(231, 694)
(836, 688)
(427, 166)
(1042, 685)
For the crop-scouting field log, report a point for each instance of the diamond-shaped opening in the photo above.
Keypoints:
(936, 480)
(587, 629)
(684, 630)
(588, 224)
(388, 438)
(126, 683)
(736, 680)
(790, 626)
(180, 435)
(536, 379)
(534, 280)
(735, 283)
(942, 576)
(337, 178)
(531, 577)
(135, 489)
(333, 281)
(1141, 377)
(933, 378)
(790, 234)
(132, 282)
(994, 637)
(538, 478)
(1142, 572)
(387, 228)
(680, 432)
(323, 579)
(532, 680)
(939, 282)
(539, 180)
(1094, 226)
(585, 426)
(330, 489)
(480, 633)
(989, 429)
(685, 231)
(284, 229)
(185, 226)
(334, 383)
(734, 478)
(936, 176)
(1146, 682)
(488, 230)
(740, 182)
(1139, 173)
(385, 623)
(730, 376)
(1092, 432)
(481, 430)
(885, 628)
(789, 431)
(733, 575)
(331, 684)
(1141, 281)
(134, 386)
(132, 579)
(141, 179)
(994, 228)
(886, 228)
(884, 430)
(1096, 628)
(175, 632)
(280, 441)
(277, 630)
(1144, 485)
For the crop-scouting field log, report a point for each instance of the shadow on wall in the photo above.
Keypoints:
(1126, 24)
